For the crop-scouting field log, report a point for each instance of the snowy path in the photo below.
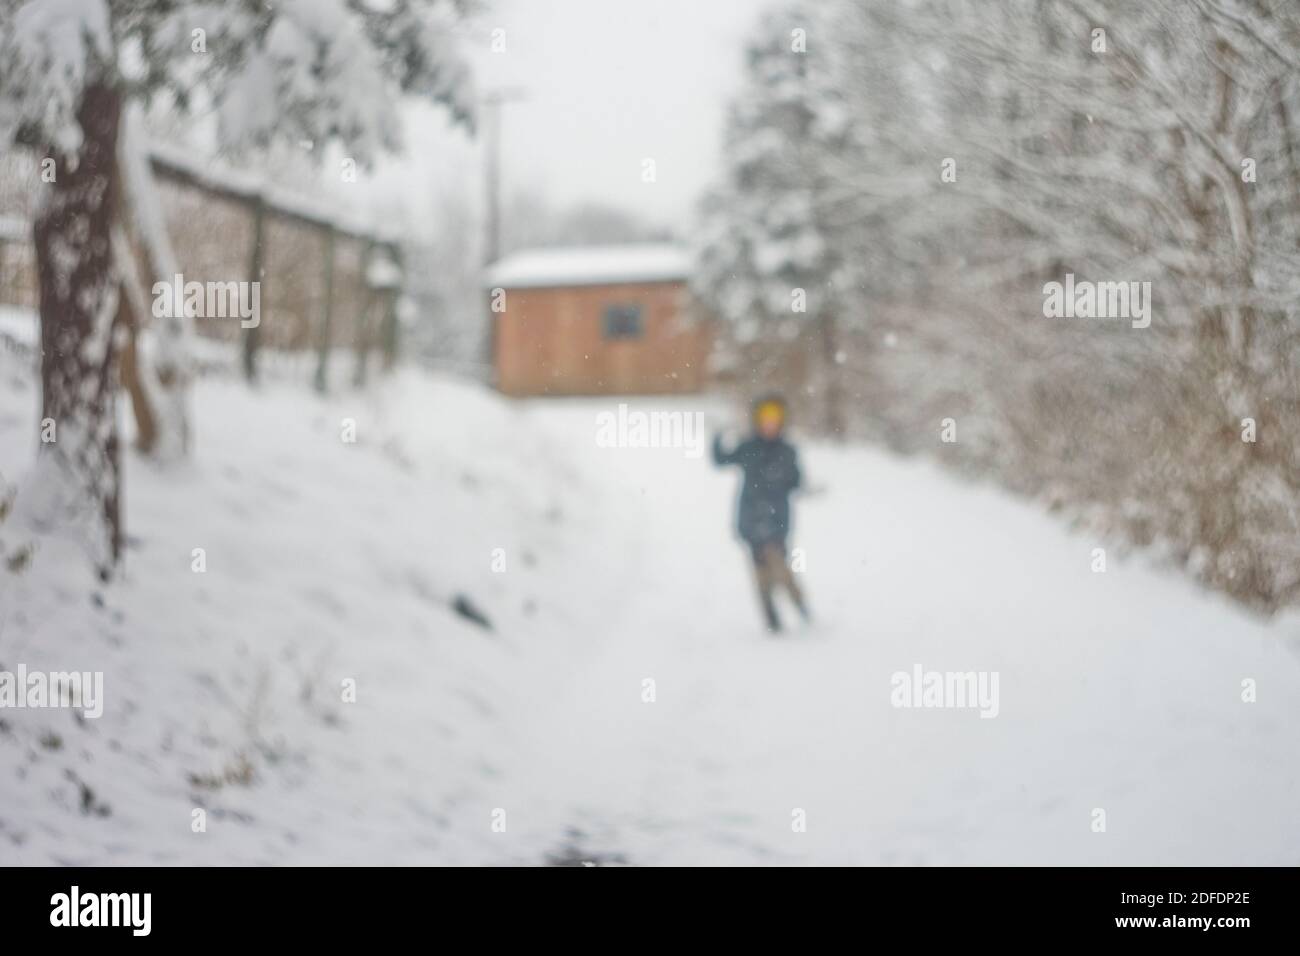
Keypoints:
(329, 561)
(1118, 691)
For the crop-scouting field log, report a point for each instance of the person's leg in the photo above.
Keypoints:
(783, 575)
(765, 580)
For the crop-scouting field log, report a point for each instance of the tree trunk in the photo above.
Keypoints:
(80, 470)
(133, 377)
(158, 366)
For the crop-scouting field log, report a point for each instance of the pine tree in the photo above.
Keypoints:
(769, 262)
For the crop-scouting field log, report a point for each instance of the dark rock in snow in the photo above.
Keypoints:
(466, 608)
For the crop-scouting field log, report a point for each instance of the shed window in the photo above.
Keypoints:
(623, 322)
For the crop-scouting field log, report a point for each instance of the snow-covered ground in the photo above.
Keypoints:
(329, 561)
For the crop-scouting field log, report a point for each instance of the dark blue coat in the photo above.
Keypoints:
(771, 472)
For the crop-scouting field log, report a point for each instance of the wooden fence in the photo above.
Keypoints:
(314, 292)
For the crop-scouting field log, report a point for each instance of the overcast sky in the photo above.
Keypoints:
(607, 84)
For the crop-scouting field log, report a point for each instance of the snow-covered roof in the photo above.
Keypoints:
(218, 175)
(591, 265)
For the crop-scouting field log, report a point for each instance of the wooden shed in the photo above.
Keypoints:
(604, 320)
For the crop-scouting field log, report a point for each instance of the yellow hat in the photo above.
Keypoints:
(770, 411)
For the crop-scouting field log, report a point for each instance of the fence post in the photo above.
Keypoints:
(256, 267)
(322, 365)
(368, 298)
(390, 314)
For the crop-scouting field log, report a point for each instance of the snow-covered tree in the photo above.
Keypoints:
(999, 146)
(767, 265)
(1113, 141)
(1123, 142)
(74, 75)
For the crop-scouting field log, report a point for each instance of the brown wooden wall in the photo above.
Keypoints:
(551, 342)
(211, 231)
(212, 236)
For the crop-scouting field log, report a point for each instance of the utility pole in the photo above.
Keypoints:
(492, 102)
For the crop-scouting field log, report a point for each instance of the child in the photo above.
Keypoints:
(771, 471)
